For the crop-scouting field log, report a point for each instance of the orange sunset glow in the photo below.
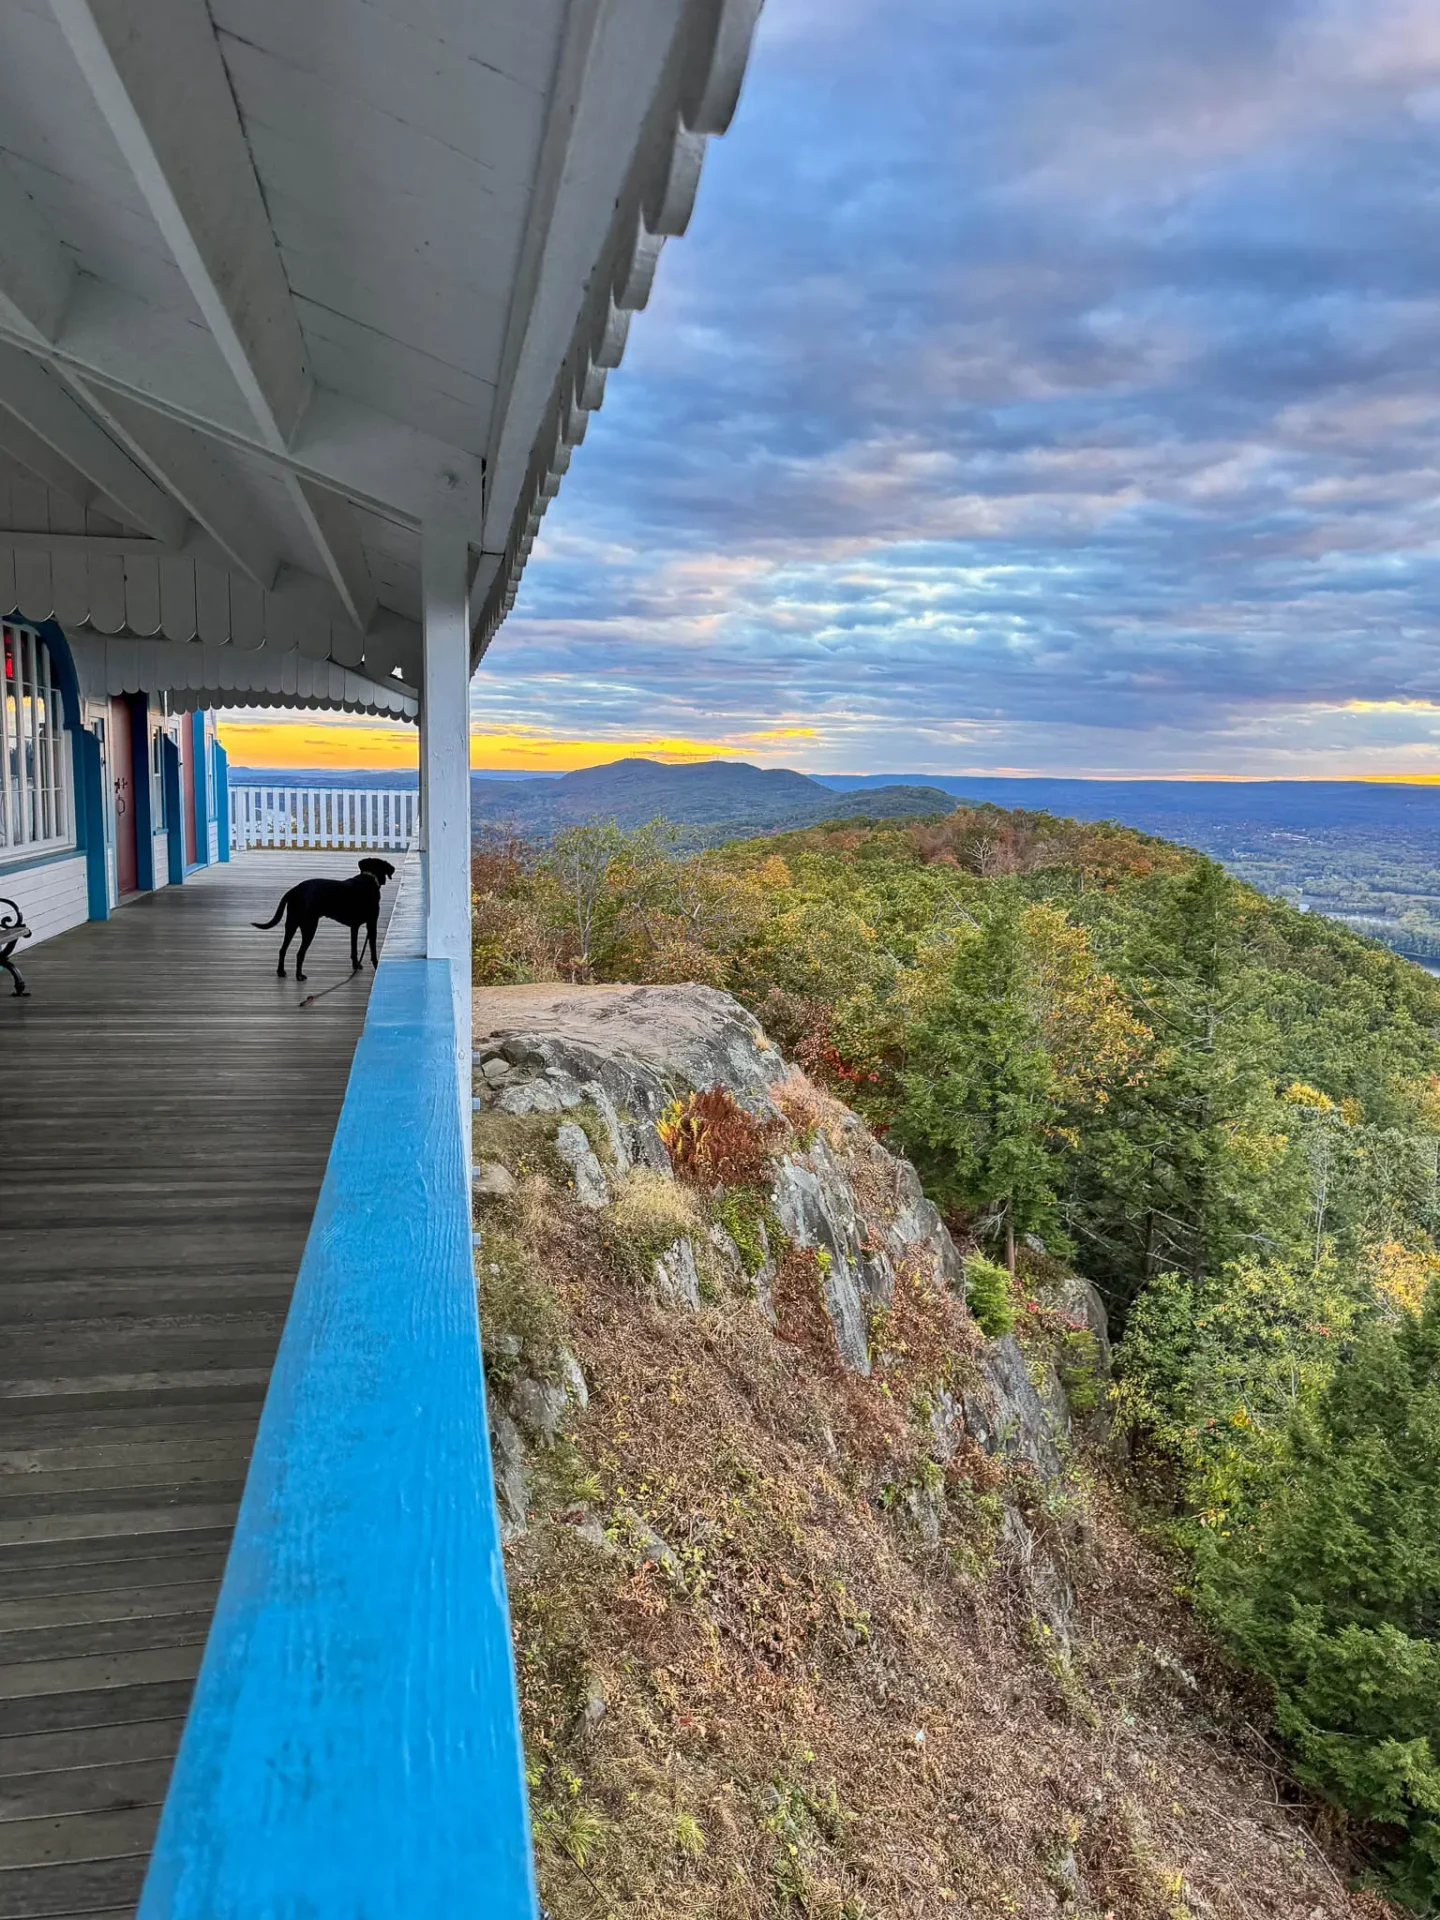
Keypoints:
(393, 746)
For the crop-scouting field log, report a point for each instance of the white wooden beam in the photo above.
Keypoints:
(375, 459)
(37, 456)
(115, 343)
(336, 538)
(36, 273)
(445, 775)
(127, 545)
(158, 78)
(37, 398)
(190, 469)
(170, 360)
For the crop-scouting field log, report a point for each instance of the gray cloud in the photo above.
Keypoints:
(1036, 379)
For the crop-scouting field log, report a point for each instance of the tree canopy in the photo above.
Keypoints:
(1224, 1112)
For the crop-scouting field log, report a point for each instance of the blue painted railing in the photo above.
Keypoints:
(352, 1750)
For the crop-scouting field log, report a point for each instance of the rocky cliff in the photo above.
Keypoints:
(627, 1054)
(819, 1608)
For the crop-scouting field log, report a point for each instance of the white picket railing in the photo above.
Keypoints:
(323, 817)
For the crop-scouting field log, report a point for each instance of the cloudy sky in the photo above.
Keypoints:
(1043, 385)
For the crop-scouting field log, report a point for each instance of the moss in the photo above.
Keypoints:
(748, 1218)
(516, 1307)
(592, 1124)
(561, 1477)
(689, 1834)
(523, 1142)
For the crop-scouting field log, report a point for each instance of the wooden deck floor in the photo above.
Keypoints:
(166, 1109)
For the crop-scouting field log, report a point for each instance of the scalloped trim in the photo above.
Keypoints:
(196, 675)
(213, 699)
(695, 101)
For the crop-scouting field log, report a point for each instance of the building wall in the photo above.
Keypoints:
(51, 896)
(59, 888)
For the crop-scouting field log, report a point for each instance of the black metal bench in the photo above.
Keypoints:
(12, 931)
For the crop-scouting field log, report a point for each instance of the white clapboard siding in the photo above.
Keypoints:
(323, 817)
(51, 895)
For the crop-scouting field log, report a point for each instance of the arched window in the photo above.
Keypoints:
(35, 808)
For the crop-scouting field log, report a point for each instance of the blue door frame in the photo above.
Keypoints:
(196, 724)
(85, 765)
(174, 808)
(222, 801)
(90, 821)
(140, 782)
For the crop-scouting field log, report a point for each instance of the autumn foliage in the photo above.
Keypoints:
(712, 1141)
(1224, 1113)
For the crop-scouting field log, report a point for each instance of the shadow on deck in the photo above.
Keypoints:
(166, 1112)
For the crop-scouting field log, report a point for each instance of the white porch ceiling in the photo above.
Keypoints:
(281, 283)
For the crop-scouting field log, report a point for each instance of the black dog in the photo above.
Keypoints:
(354, 903)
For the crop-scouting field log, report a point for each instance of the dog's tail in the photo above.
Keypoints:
(274, 921)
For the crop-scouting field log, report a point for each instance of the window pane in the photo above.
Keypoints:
(35, 808)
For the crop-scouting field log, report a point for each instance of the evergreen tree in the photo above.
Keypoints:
(978, 1093)
(1335, 1594)
(1174, 1179)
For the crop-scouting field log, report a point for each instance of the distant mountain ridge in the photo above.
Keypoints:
(719, 798)
(1171, 807)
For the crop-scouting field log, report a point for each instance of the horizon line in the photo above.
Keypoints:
(903, 777)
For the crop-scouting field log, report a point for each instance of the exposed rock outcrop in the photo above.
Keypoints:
(625, 1054)
(572, 1143)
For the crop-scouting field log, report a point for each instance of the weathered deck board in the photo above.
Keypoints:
(166, 1110)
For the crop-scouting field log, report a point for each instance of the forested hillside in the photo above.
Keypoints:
(712, 799)
(1100, 1050)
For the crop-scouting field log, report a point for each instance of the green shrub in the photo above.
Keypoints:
(1214, 1371)
(989, 1296)
(1077, 1364)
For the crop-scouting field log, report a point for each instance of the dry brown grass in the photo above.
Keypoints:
(651, 1209)
(801, 1102)
(814, 1711)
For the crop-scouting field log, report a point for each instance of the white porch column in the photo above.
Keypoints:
(424, 771)
(445, 774)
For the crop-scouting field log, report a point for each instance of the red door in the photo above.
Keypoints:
(187, 786)
(122, 775)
